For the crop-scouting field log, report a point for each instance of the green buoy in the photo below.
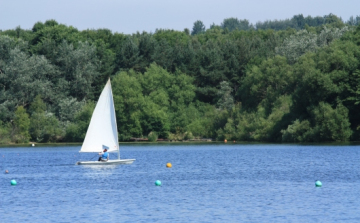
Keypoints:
(13, 182)
(158, 183)
(318, 183)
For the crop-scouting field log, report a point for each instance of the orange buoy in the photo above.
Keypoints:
(225, 141)
(168, 165)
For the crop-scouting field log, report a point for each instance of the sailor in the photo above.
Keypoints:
(104, 156)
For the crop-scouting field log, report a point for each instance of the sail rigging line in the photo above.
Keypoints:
(94, 156)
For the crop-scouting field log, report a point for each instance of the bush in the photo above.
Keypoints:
(153, 136)
(4, 133)
(188, 135)
(297, 132)
(331, 124)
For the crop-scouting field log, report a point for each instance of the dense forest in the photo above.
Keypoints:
(293, 80)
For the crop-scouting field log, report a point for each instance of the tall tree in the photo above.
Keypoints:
(234, 23)
(21, 126)
(79, 69)
(198, 28)
(128, 57)
(226, 101)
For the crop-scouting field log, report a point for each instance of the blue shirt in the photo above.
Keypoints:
(105, 155)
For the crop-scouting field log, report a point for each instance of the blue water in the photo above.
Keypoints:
(207, 183)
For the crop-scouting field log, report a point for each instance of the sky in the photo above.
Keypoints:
(130, 16)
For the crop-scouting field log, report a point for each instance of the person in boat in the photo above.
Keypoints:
(104, 155)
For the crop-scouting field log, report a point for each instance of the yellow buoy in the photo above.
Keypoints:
(168, 165)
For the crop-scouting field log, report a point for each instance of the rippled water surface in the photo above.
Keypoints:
(207, 183)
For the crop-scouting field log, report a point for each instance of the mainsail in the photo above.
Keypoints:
(102, 130)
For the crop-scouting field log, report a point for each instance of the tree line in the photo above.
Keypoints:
(294, 80)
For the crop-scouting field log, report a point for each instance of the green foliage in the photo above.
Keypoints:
(173, 37)
(328, 125)
(154, 101)
(333, 20)
(25, 77)
(256, 126)
(44, 126)
(18, 33)
(331, 124)
(353, 21)
(5, 130)
(298, 44)
(54, 33)
(152, 136)
(203, 120)
(154, 118)
(68, 107)
(38, 26)
(188, 136)
(128, 99)
(226, 100)
(128, 56)
(304, 41)
(37, 106)
(276, 25)
(264, 83)
(21, 126)
(228, 132)
(198, 28)
(178, 136)
(267, 127)
(269, 81)
(297, 132)
(300, 22)
(234, 23)
(78, 68)
(313, 85)
(51, 22)
(76, 131)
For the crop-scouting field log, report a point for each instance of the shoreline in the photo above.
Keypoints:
(349, 143)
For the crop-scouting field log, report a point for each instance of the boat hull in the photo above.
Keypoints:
(109, 162)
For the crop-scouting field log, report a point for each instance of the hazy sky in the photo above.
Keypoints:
(129, 16)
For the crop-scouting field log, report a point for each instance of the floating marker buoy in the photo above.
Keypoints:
(33, 144)
(225, 141)
(168, 165)
(13, 182)
(318, 183)
(234, 140)
(6, 171)
(158, 183)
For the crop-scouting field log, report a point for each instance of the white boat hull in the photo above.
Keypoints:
(109, 162)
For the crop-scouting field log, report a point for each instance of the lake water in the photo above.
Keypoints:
(207, 183)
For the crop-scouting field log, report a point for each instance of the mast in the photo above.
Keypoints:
(118, 152)
(116, 135)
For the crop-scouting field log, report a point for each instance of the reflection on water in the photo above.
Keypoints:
(98, 171)
(207, 183)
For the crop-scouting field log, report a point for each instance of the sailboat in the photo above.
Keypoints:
(102, 130)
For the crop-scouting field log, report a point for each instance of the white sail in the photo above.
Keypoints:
(102, 130)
